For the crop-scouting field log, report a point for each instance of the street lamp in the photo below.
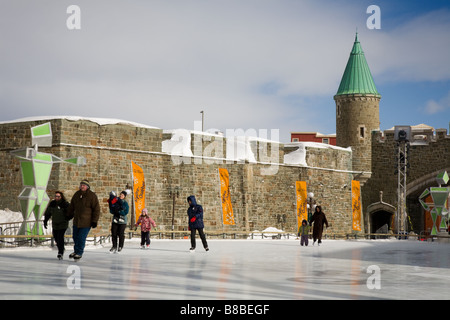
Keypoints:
(203, 119)
(311, 204)
(174, 193)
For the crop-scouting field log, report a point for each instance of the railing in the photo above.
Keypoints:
(99, 239)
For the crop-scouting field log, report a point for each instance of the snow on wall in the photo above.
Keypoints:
(99, 121)
(298, 157)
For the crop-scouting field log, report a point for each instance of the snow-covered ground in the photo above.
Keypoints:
(232, 269)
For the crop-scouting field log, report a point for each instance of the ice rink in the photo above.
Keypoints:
(232, 269)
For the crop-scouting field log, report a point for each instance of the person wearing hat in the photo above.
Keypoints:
(119, 222)
(84, 208)
(146, 223)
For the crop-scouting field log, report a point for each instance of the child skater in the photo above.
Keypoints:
(303, 232)
(146, 224)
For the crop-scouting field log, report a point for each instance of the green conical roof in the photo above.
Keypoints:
(357, 78)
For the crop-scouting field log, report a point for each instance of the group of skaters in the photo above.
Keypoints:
(84, 209)
(319, 219)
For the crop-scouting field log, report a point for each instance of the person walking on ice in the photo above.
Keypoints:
(146, 223)
(319, 219)
(195, 214)
(57, 211)
(84, 208)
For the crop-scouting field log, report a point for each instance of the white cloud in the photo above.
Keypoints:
(414, 51)
(434, 107)
(248, 64)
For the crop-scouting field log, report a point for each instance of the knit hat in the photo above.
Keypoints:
(85, 182)
(145, 211)
(124, 193)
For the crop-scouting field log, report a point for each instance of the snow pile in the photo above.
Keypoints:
(8, 216)
(238, 148)
(179, 144)
(269, 232)
(298, 157)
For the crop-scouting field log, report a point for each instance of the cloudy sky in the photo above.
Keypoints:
(250, 64)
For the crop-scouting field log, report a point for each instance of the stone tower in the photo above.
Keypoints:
(357, 111)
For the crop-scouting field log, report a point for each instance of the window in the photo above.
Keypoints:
(326, 140)
(295, 140)
(361, 132)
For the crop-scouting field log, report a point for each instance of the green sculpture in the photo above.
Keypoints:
(36, 167)
(438, 207)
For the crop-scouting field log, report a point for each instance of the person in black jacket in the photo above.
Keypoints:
(195, 214)
(319, 219)
(57, 210)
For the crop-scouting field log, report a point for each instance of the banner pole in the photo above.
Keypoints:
(133, 208)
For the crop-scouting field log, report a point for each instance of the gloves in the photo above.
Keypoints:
(94, 225)
(193, 219)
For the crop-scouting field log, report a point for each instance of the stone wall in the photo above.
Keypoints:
(426, 161)
(258, 198)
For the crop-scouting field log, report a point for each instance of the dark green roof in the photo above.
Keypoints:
(357, 78)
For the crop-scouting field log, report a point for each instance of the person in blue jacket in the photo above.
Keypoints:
(195, 214)
(119, 222)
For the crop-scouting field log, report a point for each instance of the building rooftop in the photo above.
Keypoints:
(357, 78)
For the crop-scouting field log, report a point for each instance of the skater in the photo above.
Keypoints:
(119, 223)
(146, 223)
(195, 214)
(303, 233)
(115, 205)
(319, 219)
(84, 208)
(57, 211)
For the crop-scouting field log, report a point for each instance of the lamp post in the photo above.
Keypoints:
(311, 205)
(174, 193)
(203, 120)
(282, 220)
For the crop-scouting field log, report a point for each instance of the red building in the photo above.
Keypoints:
(313, 137)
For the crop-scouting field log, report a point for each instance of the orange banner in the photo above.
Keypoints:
(227, 209)
(138, 189)
(356, 205)
(302, 211)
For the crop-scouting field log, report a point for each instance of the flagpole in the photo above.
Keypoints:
(133, 213)
(220, 200)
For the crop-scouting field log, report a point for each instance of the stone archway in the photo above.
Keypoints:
(380, 218)
(414, 189)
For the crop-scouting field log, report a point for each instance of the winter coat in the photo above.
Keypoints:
(195, 214)
(319, 220)
(303, 230)
(57, 211)
(84, 208)
(146, 223)
(123, 212)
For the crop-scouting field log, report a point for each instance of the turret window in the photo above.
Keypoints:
(362, 132)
